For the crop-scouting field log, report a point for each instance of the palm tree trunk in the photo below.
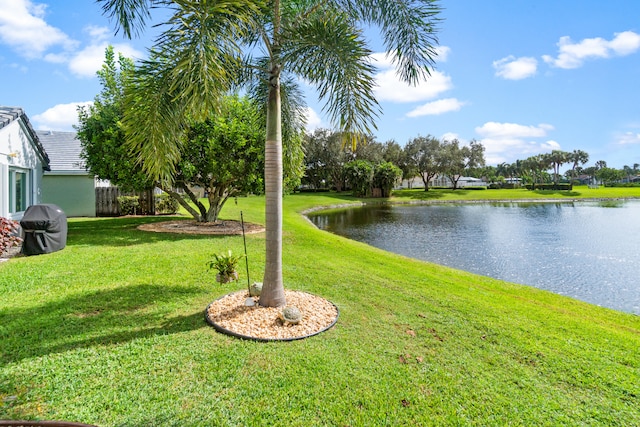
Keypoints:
(272, 294)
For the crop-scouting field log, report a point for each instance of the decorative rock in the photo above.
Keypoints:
(291, 314)
(255, 289)
(231, 314)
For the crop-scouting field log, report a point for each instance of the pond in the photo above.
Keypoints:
(585, 250)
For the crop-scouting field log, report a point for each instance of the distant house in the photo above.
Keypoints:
(23, 160)
(443, 182)
(67, 184)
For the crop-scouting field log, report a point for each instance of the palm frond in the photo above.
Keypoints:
(153, 122)
(194, 63)
(329, 52)
(408, 28)
(130, 15)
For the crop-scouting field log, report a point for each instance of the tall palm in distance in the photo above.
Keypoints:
(208, 48)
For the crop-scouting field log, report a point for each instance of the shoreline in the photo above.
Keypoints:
(356, 204)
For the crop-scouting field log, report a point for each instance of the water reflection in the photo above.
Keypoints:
(585, 250)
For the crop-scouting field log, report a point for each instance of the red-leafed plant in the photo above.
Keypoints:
(9, 234)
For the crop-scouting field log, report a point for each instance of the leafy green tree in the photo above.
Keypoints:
(369, 150)
(609, 175)
(385, 177)
(359, 174)
(392, 152)
(325, 156)
(100, 132)
(224, 155)
(425, 153)
(591, 172)
(208, 47)
(456, 160)
(534, 169)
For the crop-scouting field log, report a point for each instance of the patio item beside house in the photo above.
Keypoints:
(45, 229)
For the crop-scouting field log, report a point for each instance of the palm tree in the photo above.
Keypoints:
(556, 159)
(577, 158)
(209, 47)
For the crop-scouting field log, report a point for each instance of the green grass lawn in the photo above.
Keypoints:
(578, 192)
(110, 331)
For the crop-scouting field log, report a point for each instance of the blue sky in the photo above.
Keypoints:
(522, 77)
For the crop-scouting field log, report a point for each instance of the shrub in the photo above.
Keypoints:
(385, 176)
(622, 184)
(549, 187)
(166, 204)
(9, 234)
(129, 205)
(359, 174)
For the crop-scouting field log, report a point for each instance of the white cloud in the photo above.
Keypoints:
(450, 136)
(628, 138)
(97, 33)
(507, 142)
(512, 130)
(625, 43)
(512, 68)
(434, 108)
(313, 120)
(88, 61)
(443, 53)
(23, 28)
(573, 55)
(60, 117)
(391, 88)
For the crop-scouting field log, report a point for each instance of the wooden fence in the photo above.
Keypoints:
(107, 201)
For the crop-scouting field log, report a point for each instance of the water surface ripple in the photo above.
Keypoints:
(585, 250)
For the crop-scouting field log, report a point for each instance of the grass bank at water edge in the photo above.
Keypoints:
(110, 331)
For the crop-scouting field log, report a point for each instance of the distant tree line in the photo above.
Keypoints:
(545, 169)
(330, 164)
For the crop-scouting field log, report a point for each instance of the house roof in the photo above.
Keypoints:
(10, 114)
(64, 149)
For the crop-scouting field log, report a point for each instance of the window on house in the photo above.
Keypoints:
(18, 190)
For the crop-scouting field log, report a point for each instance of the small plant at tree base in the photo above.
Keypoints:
(226, 265)
(9, 234)
(291, 314)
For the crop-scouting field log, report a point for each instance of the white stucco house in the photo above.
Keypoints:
(23, 161)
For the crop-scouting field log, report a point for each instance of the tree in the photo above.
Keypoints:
(100, 133)
(370, 150)
(455, 160)
(359, 174)
(325, 156)
(209, 47)
(609, 175)
(534, 169)
(556, 159)
(425, 153)
(577, 158)
(392, 152)
(222, 155)
(385, 177)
